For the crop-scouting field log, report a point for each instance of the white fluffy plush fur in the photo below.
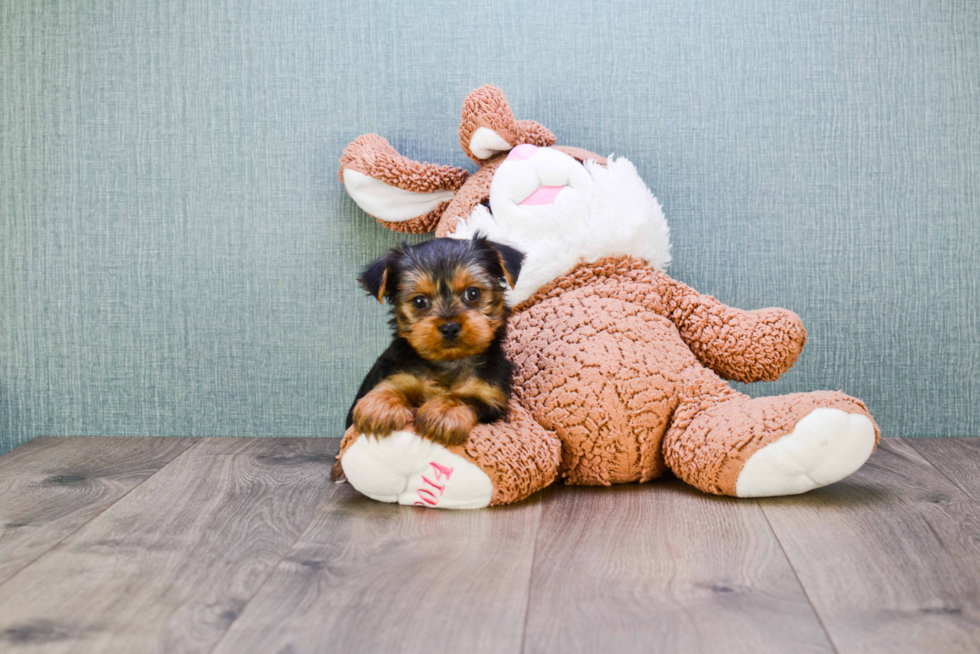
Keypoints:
(602, 211)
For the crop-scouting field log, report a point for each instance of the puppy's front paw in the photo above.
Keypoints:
(445, 420)
(380, 413)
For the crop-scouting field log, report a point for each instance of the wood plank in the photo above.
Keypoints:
(52, 486)
(957, 458)
(663, 567)
(169, 567)
(889, 557)
(370, 577)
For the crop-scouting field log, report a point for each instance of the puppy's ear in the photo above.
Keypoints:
(377, 277)
(510, 259)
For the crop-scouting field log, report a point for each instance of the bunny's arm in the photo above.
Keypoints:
(745, 346)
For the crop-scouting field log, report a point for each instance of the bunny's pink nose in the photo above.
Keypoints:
(522, 151)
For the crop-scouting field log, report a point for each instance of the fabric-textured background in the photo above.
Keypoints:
(177, 256)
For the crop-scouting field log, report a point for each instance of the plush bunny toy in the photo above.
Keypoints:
(619, 369)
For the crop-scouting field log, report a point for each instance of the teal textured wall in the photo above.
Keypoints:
(178, 257)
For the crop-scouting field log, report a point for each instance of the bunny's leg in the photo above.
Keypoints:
(724, 442)
(500, 463)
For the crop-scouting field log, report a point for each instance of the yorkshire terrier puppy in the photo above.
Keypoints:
(445, 370)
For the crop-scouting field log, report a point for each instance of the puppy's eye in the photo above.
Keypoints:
(472, 294)
(420, 302)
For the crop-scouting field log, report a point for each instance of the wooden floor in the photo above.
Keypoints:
(243, 545)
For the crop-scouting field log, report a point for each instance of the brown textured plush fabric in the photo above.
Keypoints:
(695, 453)
(614, 354)
(619, 369)
(349, 437)
(372, 155)
(488, 107)
(613, 359)
(420, 225)
(742, 345)
(529, 131)
(475, 191)
(518, 454)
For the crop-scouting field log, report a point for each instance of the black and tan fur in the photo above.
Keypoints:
(445, 369)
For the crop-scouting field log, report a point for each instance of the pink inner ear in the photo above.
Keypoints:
(544, 195)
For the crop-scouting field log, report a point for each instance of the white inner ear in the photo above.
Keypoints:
(390, 202)
(485, 143)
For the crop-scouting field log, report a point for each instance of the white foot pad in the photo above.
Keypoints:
(407, 469)
(825, 446)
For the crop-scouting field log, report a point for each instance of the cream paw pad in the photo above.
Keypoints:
(824, 447)
(406, 469)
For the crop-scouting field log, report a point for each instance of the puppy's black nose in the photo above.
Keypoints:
(450, 330)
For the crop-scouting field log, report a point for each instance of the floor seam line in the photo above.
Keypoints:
(925, 458)
(100, 513)
(273, 569)
(530, 577)
(796, 575)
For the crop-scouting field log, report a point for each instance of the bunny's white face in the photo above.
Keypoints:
(538, 191)
(560, 213)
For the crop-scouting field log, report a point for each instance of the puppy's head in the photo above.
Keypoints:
(447, 295)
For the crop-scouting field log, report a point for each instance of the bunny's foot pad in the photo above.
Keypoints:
(824, 447)
(406, 469)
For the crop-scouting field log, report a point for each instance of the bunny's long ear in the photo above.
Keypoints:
(487, 126)
(404, 195)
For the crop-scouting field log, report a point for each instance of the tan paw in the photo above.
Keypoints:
(380, 413)
(445, 420)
